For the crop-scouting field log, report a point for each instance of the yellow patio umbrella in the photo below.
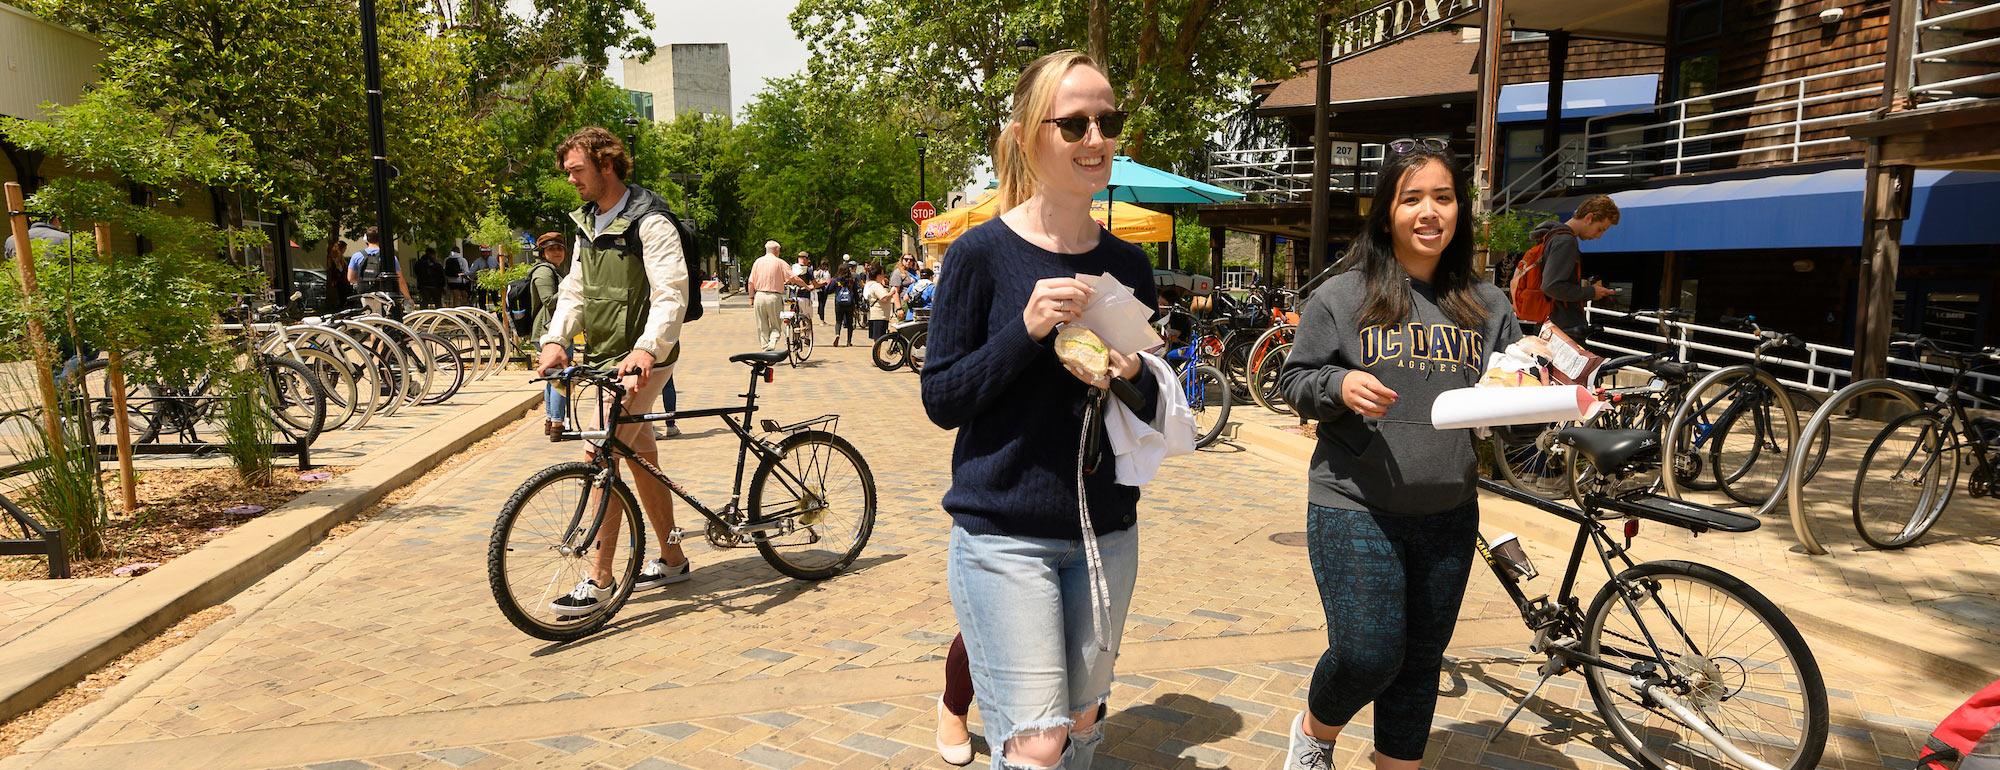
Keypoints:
(1128, 221)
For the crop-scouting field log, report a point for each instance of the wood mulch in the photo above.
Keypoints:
(179, 510)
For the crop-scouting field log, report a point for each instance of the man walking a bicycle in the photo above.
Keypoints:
(626, 294)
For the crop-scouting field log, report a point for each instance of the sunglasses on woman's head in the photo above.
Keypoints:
(1404, 146)
(1109, 125)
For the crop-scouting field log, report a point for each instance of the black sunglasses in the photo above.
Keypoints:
(1404, 146)
(1109, 125)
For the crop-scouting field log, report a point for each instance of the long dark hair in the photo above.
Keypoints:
(1374, 252)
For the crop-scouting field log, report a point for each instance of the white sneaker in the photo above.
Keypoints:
(582, 600)
(656, 573)
(1307, 752)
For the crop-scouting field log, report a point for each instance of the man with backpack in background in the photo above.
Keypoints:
(370, 270)
(628, 293)
(1548, 285)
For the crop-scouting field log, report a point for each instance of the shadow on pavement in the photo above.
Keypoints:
(1564, 724)
(1189, 719)
(769, 594)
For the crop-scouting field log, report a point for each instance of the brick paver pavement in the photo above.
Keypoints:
(396, 626)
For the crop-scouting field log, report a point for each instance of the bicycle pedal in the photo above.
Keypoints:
(674, 536)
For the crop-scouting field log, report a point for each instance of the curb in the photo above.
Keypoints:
(1938, 652)
(39, 664)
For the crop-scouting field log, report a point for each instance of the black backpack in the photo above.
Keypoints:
(522, 304)
(371, 273)
(696, 275)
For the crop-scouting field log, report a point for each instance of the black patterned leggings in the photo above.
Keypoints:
(1391, 587)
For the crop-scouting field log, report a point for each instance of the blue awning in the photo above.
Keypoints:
(1582, 98)
(1801, 211)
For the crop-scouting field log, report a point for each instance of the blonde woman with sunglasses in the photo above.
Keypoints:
(1044, 543)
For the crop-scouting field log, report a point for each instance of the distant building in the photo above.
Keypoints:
(680, 78)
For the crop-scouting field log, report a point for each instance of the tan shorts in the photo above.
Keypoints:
(639, 436)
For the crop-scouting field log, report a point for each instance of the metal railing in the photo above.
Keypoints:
(1940, 70)
(1699, 120)
(1558, 170)
(1823, 369)
(1284, 174)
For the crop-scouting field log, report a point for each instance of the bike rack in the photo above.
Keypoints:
(42, 541)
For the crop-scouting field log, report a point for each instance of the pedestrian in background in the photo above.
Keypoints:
(430, 277)
(846, 294)
(768, 279)
(338, 288)
(880, 301)
(1044, 550)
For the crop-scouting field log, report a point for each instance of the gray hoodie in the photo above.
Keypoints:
(1399, 464)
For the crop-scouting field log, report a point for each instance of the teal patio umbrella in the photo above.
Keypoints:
(1135, 182)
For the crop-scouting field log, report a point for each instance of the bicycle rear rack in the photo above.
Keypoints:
(832, 421)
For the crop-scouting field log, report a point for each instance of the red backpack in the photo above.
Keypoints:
(1530, 304)
(1969, 739)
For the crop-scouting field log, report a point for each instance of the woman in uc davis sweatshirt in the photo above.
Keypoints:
(1392, 509)
(1039, 581)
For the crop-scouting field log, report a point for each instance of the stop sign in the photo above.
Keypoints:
(921, 211)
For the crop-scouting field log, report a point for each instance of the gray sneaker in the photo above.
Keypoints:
(1307, 752)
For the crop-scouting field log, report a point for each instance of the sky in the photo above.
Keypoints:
(759, 34)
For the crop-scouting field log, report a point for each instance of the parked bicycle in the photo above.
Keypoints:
(1755, 425)
(1207, 391)
(809, 512)
(1909, 470)
(1688, 665)
(903, 344)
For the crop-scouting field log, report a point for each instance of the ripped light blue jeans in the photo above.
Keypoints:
(1024, 606)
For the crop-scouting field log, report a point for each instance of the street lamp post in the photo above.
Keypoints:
(921, 189)
(371, 57)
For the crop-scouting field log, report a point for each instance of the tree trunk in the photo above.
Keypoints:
(1100, 31)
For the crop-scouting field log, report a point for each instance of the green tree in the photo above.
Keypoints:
(704, 159)
(826, 173)
(1183, 65)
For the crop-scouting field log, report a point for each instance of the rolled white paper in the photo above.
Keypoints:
(1484, 407)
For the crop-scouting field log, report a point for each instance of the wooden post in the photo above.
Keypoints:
(1217, 239)
(114, 375)
(38, 339)
(1267, 249)
(1670, 281)
(1552, 119)
(1322, 148)
(1885, 204)
(1487, 142)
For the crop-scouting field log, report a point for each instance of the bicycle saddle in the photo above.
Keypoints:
(1609, 448)
(764, 358)
(1674, 370)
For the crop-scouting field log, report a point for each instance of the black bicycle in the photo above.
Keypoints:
(810, 509)
(1688, 665)
(1907, 475)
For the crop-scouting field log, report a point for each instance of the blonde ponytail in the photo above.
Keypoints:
(1013, 152)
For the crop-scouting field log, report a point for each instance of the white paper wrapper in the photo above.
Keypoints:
(1483, 407)
(1117, 316)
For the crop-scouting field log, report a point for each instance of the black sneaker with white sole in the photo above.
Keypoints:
(583, 600)
(657, 573)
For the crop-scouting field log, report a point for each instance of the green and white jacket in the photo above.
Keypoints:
(627, 289)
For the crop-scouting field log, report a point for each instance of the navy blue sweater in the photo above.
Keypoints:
(1017, 410)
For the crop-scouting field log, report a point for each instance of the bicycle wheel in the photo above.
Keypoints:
(1690, 468)
(534, 555)
(293, 399)
(1264, 379)
(891, 352)
(447, 376)
(1529, 459)
(1905, 480)
(918, 342)
(1236, 363)
(803, 327)
(825, 496)
(1729, 653)
(1208, 397)
(343, 391)
(142, 414)
(1750, 447)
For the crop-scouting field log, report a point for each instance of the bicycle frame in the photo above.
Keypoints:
(736, 417)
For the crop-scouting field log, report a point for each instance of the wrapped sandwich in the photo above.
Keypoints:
(1080, 348)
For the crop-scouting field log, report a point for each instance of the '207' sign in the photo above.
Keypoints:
(1391, 21)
